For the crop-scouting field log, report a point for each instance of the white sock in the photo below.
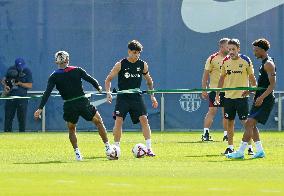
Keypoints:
(225, 133)
(258, 146)
(148, 143)
(250, 146)
(243, 147)
(231, 147)
(205, 130)
(117, 144)
(76, 150)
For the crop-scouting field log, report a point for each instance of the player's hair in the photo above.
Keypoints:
(135, 45)
(61, 56)
(235, 42)
(223, 40)
(262, 43)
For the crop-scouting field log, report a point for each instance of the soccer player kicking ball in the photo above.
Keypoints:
(67, 80)
(263, 100)
(130, 71)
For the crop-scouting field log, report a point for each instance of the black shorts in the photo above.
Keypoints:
(212, 96)
(261, 113)
(79, 107)
(133, 103)
(233, 106)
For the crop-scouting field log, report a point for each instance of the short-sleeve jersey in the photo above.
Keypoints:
(237, 73)
(213, 65)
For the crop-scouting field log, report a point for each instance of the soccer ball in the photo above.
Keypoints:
(139, 150)
(115, 153)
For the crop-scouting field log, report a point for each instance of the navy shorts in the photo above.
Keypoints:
(76, 108)
(132, 103)
(261, 113)
(233, 106)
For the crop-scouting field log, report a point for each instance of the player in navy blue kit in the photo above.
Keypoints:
(130, 71)
(68, 81)
(263, 100)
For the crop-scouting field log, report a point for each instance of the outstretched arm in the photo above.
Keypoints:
(150, 84)
(85, 76)
(46, 94)
(113, 73)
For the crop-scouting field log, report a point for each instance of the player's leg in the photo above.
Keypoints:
(258, 145)
(243, 111)
(117, 130)
(138, 113)
(73, 139)
(249, 125)
(261, 115)
(90, 113)
(119, 114)
(71, 116)
(209, 117)
(224, 121)
(230, 134)
(208, 120)
(225, 126)
(250, 148)
(147, 134)
(98, 121)
(229, 115)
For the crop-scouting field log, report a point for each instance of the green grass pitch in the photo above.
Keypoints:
(43, 164)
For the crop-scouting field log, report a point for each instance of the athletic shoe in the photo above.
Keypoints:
(259, 154)
(78, 156)
(235, 155)
(228, 150)
(109, 150)
(250, 151)
(225, 138)
(150, 153)
(206, 137)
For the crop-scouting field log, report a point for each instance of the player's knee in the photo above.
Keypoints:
(71, 127)
(212, 112)
(143, 120)
(249, 124)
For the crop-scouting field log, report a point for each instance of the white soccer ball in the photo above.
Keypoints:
(115, 154)
(139, 150)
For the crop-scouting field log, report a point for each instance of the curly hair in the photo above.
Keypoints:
(262, 43)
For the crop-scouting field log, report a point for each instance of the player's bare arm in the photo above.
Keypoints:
(113, 73)
(205, 79)
(150, 85)
(252, 82)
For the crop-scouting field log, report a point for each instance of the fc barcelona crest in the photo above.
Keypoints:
(190, 102)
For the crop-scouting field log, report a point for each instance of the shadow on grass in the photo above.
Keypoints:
(93, 157)
(206, 155)
(85, 159)
(42, 162)
(198, 142)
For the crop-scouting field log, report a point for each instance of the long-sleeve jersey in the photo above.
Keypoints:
(68, 82)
